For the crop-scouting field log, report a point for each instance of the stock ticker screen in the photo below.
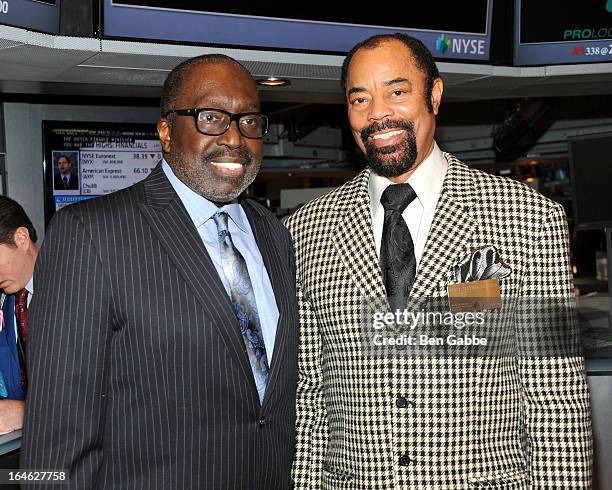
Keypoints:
(558, 21)
(549, 32)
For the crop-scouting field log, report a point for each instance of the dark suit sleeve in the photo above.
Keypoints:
(67, 351)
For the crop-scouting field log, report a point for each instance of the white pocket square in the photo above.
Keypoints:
(484, 263)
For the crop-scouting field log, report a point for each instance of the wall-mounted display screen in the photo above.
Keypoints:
(38, 15)
(591, 174)
(459, 30)
(86, 160)
(562, 31)
(451, 18)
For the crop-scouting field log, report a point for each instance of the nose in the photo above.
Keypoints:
(231, 138)
(379, 109)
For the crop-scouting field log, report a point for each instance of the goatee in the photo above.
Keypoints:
(393, 160)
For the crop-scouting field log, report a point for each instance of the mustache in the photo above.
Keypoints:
(388, 124)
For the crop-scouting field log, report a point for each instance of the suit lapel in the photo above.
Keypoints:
(173, 227)
(266, 241)
(450, 233)
(354, 238)
(448, 240)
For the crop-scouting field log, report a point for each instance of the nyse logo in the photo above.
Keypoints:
(468, 46)
(4, 7)
(442, 44)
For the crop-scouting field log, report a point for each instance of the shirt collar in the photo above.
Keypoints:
(426, 181)
(199, 208)
(30, 286)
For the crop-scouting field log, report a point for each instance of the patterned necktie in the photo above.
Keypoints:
(21, 316)
(397, 259)
(243, 299)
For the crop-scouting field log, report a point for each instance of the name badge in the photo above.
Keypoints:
(474, 296)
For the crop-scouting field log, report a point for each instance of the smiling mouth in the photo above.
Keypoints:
(228, 165)
(387, 135)
(231, 169)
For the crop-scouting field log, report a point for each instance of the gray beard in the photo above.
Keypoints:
(203, 182)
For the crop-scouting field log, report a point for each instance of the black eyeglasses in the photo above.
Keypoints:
(214, 122)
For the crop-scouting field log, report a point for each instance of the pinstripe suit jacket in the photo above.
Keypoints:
(399, 422)
(139, 373)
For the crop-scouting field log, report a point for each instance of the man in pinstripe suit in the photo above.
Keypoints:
(513, 419)
(172, 362)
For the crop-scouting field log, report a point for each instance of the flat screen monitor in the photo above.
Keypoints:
(457, 30)
(549, 32)
(87, 160)
(591, 175)
(37, 15)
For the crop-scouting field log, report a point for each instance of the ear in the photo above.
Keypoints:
(163, 131)
(21, 238)
(436, 94)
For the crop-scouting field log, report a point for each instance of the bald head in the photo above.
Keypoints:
(176, 78)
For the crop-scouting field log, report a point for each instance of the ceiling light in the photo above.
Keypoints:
(273, 82)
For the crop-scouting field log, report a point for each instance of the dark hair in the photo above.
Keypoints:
(64, 156)
(12, 216)
(421, 56)
(174, 80)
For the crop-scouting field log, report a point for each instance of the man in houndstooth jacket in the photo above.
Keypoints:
(368, 421)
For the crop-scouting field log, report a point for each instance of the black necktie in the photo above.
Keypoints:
(65, 182)
(397, 259)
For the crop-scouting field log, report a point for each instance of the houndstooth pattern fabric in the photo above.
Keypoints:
(366, 422)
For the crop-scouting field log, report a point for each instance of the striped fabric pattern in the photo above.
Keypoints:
(138, 374)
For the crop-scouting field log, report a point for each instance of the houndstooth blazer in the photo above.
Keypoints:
(433, 422)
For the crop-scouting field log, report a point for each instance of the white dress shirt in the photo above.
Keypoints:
(30, 288)
(426, 181)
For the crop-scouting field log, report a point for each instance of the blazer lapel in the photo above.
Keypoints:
(173, 227)
(354, 238)
(450, 233)
(279, 277)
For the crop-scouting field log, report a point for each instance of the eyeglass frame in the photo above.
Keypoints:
(195, 112)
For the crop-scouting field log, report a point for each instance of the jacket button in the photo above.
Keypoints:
(404, 460)
(401, 402)
(261, 423)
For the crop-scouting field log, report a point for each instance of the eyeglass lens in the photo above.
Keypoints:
(216, 122)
